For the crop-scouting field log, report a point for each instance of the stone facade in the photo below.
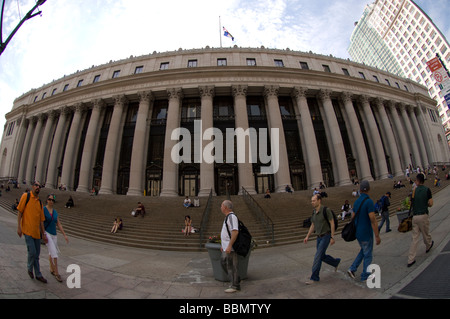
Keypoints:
(110, 127)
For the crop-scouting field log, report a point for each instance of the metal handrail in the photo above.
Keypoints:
(260, 213)
(205, 218)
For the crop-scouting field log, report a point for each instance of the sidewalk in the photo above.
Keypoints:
(113, 272)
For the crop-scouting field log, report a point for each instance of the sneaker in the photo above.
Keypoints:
(310, 282)
(351, 274)
(231, 290)
(411, 263)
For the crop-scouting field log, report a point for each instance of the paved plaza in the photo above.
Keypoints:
(117, 272)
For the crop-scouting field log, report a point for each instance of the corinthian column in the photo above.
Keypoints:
(312, 157)
(57, 146)
(44, 151)
(282, 176)
(137, 167)
(72, 146)
(355, 130)
(336, 145)
(390, 144)
(112, 147)
(206, 169)
(87, 159)
(170, 168)
(381, 170)
(245, 169)
(36, 141)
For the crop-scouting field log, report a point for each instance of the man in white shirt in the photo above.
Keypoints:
(228, 237)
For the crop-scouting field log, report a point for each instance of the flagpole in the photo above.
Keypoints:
(220, 32)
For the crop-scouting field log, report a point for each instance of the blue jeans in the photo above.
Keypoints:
(34, 250)
(385, 217)
(322, 245)
(366, 254)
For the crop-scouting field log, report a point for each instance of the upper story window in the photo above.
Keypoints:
(279, 63)
(66, 87)
(221, 62)
(139, 69)
(80, 83)
(326, 68)
(116, 74)
(251, 62)
(192, 63)
(304, 65)
(362, 75)
(164, 66)
(345, 71)
(54, 91)
(43, 95)
(96, 79)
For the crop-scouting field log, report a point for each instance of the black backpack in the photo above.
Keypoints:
(243, 242)
(334, 218)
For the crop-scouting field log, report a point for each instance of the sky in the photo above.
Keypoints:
(72, 35)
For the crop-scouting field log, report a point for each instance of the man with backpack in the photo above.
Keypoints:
(30, 223)
(385, 203)
(228, 236)
(325, 228)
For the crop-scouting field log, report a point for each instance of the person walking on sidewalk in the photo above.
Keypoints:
(230, 231)
(51, 222)
(30, 223)
(385, 203)
(325, 234)
(421, 200)
(366, 227)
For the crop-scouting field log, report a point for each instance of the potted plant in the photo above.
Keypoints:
(215, 254)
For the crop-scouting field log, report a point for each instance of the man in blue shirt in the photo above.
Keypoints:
(366, 227)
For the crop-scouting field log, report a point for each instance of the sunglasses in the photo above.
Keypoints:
(37, 185)
(51, 199)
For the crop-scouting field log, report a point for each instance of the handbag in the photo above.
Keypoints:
(349, 231)
(406, 223)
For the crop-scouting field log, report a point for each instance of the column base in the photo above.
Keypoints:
(168, 193)
(135, 192)
(82, 189)
(103, 191)
(205, 192)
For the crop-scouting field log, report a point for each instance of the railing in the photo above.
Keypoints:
(205, 218)
(260, 214)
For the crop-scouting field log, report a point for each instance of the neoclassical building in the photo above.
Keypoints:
(111, 127)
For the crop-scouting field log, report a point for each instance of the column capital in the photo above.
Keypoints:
(79, 107)
(239, 90)
(98, 104)
(53, 114)
(120, 100)
(364, 99)
(175, 93)
(299, 92)
(206, 91)
(271, 90)
(346, 97)
(324, 94)
(146, 96)
(379, 102)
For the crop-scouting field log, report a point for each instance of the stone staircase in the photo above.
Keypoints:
(92, 217)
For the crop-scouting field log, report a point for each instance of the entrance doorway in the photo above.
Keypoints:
(227, 180)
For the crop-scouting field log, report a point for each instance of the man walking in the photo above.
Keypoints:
(230, 231)
(385, 203)
(325, 233)
(366, 227)
(421, 200)
(30, 223)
